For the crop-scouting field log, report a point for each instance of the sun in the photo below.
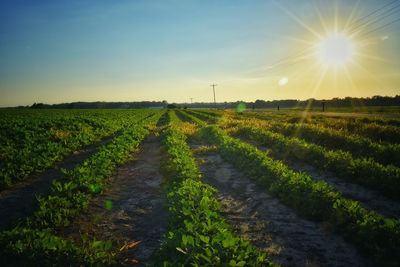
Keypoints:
(336, 49)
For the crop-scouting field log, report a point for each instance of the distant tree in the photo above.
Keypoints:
(38, 105)
(380, 101)
(172, 106)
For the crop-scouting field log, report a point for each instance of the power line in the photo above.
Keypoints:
(288, 60)
(375, 11)
(387, 13)
(378, 18)
(284, 61)
(381, 27)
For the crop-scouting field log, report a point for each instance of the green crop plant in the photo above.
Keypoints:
(35, 239)
(375, 235)
(198, 235)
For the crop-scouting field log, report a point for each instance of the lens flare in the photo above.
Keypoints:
(283, 81)
(241, 107)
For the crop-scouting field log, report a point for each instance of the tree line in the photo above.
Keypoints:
(287, 103)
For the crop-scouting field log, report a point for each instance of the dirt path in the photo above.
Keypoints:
(369, 199)
(19, 201)
(137, 212)
(268, 224)
(182, 117)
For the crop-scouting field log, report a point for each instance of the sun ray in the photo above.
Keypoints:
(319, 81)
(288, 61)
(294, 73)
(335, 77)
(355, 33)
(334, 49)
(376, 58)
(336, 18)
(303, 71)
(293, 60)
(314, 90)
(321, 19)
(367, 42)
(350, 79)
(291, 37)
(351, 16)
(298, 20)
(368, 73)
(354, 86)
(303, 41)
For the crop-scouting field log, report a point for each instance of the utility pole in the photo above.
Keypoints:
(191, 100)
(213, 86)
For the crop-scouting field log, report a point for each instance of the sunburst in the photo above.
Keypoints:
(336, 49)
(336, 46)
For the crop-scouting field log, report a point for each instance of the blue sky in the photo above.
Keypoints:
(63, 51)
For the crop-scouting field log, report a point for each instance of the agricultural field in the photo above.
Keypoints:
(199, 187)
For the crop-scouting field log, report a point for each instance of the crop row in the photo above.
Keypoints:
(310, 116)
(30, 144)
(192, 118)
(372, 233)
(35, 239)
(369, 120)
(333, 139)
(363, 171)
(374, 131)
(199, 236)
(208, 111)
(205, 115)
(366, 172)
(380, 130)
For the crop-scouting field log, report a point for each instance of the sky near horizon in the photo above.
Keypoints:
(65, 51)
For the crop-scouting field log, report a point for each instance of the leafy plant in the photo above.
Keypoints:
(198, 235)
(35, 240)
(372, 233)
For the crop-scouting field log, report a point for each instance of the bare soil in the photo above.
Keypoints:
(19, 201)
(270, 225)
(369, 199)
(137, 212)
